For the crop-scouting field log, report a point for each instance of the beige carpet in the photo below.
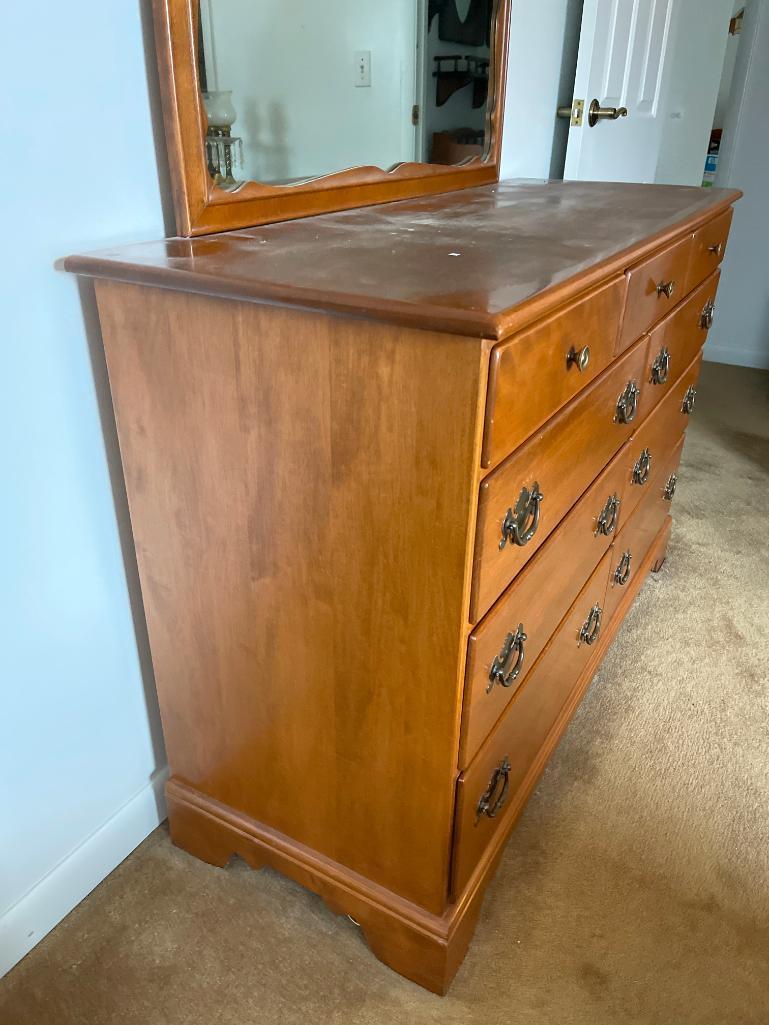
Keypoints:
(635, 888)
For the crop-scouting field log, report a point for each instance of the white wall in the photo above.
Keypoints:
(694, 75)
(79, 750)
(543, 47)
(740, 333)
(299, 111)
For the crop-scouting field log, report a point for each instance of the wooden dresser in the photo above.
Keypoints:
(395, 477)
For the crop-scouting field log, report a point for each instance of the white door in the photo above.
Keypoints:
(624, 48)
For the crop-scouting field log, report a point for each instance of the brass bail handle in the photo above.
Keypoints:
(494, 796)
(521, 526)
(598, 113)
(622, 572)
(501, 671)
(592, 625)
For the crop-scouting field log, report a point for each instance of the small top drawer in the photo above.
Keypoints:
(654, 287)
(535, 373)
(708, 248)
(528, 495)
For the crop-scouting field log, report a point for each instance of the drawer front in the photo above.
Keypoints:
(657, 436)
(637, 535)
(537, 372)
(562, 459)
(675, 342)
(708, 248)
(498, 658)
(488, 793)
(654, 288)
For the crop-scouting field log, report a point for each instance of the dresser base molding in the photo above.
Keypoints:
(426, 948)
(423, 947)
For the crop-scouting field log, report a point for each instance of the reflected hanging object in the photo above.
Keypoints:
(475, 30)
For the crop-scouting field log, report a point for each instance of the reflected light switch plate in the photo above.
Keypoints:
(362, 68)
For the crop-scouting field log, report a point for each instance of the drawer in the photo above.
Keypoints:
(536, 602)
(535, 373)
(637, 535)
(708, 248)
(675, 342)
(654, 288)
(658, 435)
(491, 791)
(562, 460)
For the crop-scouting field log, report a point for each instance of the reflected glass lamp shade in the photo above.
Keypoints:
(219, 108)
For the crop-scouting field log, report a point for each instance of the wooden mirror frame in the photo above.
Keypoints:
(200, 207)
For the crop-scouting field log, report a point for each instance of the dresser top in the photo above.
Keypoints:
(480, 262)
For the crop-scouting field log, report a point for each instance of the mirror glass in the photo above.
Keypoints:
(298, 89)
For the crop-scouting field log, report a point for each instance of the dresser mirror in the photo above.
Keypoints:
(277, 110)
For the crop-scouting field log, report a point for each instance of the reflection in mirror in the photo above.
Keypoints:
(297, 90)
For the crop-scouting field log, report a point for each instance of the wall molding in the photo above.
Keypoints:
(33, 916)
(737, 357)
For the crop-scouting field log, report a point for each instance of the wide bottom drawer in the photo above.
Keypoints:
(486, 792)
(636, 537)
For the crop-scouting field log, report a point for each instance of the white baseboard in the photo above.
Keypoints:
(737, 357)
(33, 916)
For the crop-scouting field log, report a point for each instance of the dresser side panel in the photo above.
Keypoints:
(302, 492)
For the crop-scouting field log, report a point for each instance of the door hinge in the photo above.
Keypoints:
(415, 114)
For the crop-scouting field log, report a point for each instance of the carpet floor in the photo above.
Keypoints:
(634, 889)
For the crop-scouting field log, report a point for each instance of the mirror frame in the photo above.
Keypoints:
(200, 207)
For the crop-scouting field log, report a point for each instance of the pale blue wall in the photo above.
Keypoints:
(76, 744)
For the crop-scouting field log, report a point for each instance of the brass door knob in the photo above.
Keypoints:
(596, 113)
(666, 288)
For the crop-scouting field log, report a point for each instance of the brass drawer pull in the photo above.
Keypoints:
(687, 406)
(521, 526)
(592, 625)
(578, 359)
(607, 521)
(642, 468)
(495, 796)
(622, 572)
(627, 403)
(706, 317)
(666, 288)
(501, 672)
(661, 366)
(717, 249)
(670, 488)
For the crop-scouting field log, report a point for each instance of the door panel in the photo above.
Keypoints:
(622, 58)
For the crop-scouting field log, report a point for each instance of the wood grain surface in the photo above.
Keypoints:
(304, 565)
(484, 261)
